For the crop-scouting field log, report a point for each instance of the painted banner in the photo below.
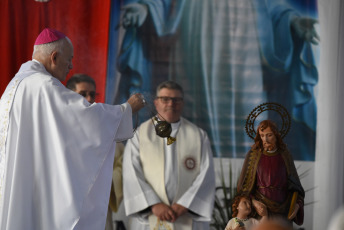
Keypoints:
(230, 56)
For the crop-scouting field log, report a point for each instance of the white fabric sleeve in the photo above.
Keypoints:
(125, 128)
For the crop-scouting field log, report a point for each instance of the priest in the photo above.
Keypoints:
(56, 148)
(169, 183)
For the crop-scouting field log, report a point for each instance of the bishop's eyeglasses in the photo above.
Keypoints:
(166, 100)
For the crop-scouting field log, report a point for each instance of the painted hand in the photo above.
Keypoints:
(134, 15)
(304, 28)
(260, 207)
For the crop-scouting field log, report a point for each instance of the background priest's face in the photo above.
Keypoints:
(169, 104)
(86, 90)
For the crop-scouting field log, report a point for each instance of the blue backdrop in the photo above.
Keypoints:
(229, 56)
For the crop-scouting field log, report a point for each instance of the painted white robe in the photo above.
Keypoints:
(139, 195)
(57, 153)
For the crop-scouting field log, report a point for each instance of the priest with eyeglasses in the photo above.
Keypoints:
(169, 184)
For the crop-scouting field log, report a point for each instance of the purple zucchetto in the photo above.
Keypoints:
(49, 35)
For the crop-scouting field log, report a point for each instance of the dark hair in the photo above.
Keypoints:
(78, 78)
(236, 202)
(258, 143)
(169, 85)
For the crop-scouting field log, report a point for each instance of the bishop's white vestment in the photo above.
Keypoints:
(183, 173)
(56, 154)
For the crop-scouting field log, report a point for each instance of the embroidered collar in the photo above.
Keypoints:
(240, 220)
(270, 153)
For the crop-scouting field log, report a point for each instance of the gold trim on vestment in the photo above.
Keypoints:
(270, 154)
(160, 224)
(251, 171)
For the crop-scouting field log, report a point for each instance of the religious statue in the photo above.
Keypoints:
(269, 175)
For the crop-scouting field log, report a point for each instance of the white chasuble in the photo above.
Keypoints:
(182, 173)
(57, 153)
(153, 164)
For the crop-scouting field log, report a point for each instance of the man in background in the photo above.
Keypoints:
(83, 85)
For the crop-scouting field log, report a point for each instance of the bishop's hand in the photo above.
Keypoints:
(136, 102)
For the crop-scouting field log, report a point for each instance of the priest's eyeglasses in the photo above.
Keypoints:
(166, 100)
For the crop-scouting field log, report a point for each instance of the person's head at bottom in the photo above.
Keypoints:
(83, 85)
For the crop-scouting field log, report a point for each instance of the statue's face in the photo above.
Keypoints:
(268, 139)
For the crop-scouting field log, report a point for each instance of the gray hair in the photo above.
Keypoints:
(169, 85)
(48, 48)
